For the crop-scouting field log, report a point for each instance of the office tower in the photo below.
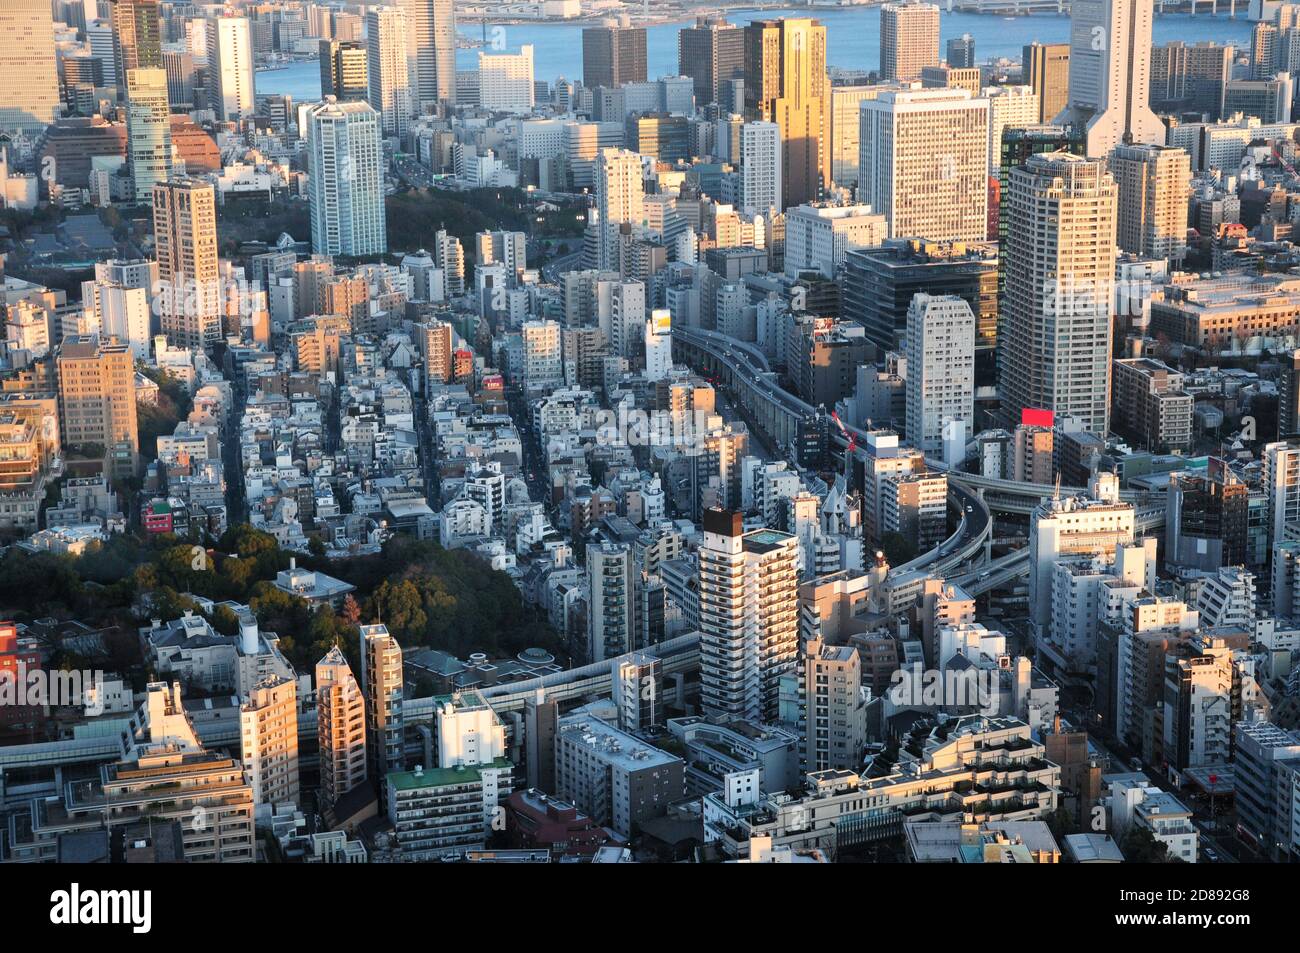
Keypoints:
(344, 69)
(1206, 518)
(924, 163)
(137, 41)
(611, 603)
(846, 124)
(1010, 107)
(613, 55)
(818, 237)
(1046, 68)
(909, 40)
(340, 727)
(1288, 395)
(506, 81)
(786, 83)
(760, 169)
(620, 198)
(346, 188)
(1190, 78)
(381, 680)
(712, 52)
(388, 57)
(1055, 331)
(1154, 184)
(185, 243)
(749, 619)
(183, 76)
(940, 369)
(29, 93)
(1110, 74)
(431, 52)
(1267, 766)
(879, 284)
(961, 52)
(268, 731)
(1268, 100)
(148, 130)
(97, 400)
(659, 136)
(230, 68)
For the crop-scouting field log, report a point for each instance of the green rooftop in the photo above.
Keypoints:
(441, 777)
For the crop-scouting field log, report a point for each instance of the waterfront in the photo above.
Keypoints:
(853, 35)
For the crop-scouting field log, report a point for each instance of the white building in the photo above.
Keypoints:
(230, 68)
(760, 171)
(818, 236)
(346, 189)
(940, 351)
(387, 57)
(506, 81)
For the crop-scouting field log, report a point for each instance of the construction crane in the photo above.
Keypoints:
(853, 440)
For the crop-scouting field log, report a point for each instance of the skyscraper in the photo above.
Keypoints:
(1046, 67)
(1154, 185)
(1055, 334)
(924, 163)
(940, 368)
(137, 42)
(711, 52)
(346, 187)
(343, 69)
(185, 242)
(506, 81)
(389, 78)
(148, 129)
(786, 83)
(760, 171)
(909, 40)
(230, 68)
(961, 52)
(613, 54)
(340, 727)
(431, 52)
(29, 88)
(1110, 74)
(749, 616)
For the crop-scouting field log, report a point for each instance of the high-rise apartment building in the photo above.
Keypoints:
(388, 56)
(909, 40)
(1054, 338)
(786, 83)
(620, 198)
(346, 189)
(148, 129)
(137, 37)
(835, 709)
(613, 54)
(749, 619)
(268, 731)
(340, 727)
(1190, 78)
(1045, 67)
(230, 68)
(940, 369)
(435, 341)
(381, 680)
(1154, 184)
(29, 94)
(97, 400)
(712, 53)
(924, 163)
(185, 243)
(1110, 74)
